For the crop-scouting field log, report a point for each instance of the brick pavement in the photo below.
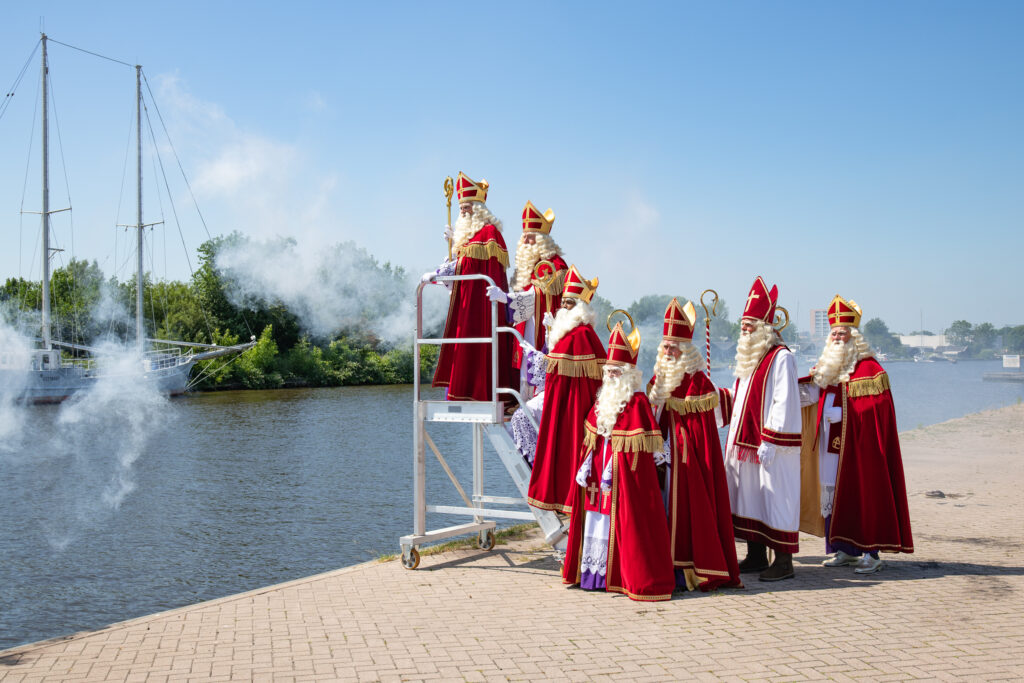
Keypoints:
(950, 611)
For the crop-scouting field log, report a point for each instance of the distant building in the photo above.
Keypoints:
(819, 322)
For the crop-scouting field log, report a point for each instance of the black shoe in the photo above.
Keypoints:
(756, 559)
(781, 569)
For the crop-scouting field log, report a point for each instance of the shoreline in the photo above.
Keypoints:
(452, 617)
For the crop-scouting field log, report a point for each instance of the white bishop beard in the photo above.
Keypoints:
(613, 396)
(467, 226)
(529, 255)
(752, 347)
(838, 360)
(669, 371)
(567, 319)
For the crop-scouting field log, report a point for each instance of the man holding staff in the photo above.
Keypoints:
(863, 494)
(478, 249)
(762, 453)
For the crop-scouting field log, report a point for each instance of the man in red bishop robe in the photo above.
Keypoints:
(465, 369)
(571, 383)
(862, 491)
(762, 452)
(537, 284)
(702, 544)
(618, 535)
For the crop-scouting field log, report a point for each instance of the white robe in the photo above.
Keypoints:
(768, 493)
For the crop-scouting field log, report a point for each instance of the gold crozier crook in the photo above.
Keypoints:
(623, 312)
(449, 190)
(714, 305)
(544, 281)
(777, 320)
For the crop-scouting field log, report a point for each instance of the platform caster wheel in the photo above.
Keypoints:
(485, 540)
(412, 560)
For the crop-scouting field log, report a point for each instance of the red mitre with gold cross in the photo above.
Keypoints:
(761, 302)
(843, 313)
(623, 348)
(536, 222)
(679, 321)
(578, 287)
(470, 191)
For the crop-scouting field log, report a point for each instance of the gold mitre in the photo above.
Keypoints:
(578, 287)
(469, 190)
(535, 221)
(843, 312)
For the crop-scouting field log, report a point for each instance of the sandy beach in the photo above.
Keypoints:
(949, 611)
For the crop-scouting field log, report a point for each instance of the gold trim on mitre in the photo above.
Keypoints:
(688, 316)
(535, 221)
(578, 287)
(843, 312)
(469, 190)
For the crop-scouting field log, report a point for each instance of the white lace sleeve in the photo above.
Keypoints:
(521, 305)
(536, 369)
(663, 456)
(447, 268)
(584, 471)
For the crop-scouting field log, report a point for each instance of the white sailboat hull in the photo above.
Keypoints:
(58, 384)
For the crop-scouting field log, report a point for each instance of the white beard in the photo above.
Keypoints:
(752, 347)
(613, 396)
(467, 226)
(568, 319)
(668, 373)
(528, 256)
(838, 360)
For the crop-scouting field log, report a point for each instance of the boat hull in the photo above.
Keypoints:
(54, 386)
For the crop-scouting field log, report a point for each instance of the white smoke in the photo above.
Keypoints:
(15, 357)
(329, 289)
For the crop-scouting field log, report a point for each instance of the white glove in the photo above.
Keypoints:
(428, 275)
(495, 293)
(448, 232)
(833, 414)
(766, 453)
(528, 348)
(548, 320)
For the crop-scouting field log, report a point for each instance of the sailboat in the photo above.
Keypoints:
(43, 375)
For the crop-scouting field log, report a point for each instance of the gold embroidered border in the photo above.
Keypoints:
(692, 404)
(575, 366)
(634, 441)
(868, 386)
(567, 509)
(484, 251)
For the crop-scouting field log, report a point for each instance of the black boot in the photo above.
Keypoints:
(756, 559)
(782, 568)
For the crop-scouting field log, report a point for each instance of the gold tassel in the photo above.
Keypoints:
(868, 386)
(575, 366)
(487, 250)
(626, 442)
(692, 404)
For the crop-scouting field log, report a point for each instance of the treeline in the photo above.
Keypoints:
(88, 308)
(980, 342)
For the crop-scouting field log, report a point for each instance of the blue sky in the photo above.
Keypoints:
(873, 149)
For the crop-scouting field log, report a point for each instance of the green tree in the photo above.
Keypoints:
(960, 333)
(880, 338)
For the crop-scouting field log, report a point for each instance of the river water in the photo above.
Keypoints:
(121, 513)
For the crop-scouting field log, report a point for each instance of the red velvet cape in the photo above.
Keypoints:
(570, 388)
(466, 368)
(545, 302)
(870, 506)
(699, 516)
(639, 564)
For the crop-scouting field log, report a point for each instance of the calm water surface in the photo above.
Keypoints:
(227, 492)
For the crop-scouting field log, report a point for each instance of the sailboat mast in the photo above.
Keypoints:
(139, 330)
(46, 207)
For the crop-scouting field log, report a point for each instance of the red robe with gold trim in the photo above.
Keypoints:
(699, 517)
(548, 298)
(639, 564)
(570, 387)
(870, 507)
(466, 368)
